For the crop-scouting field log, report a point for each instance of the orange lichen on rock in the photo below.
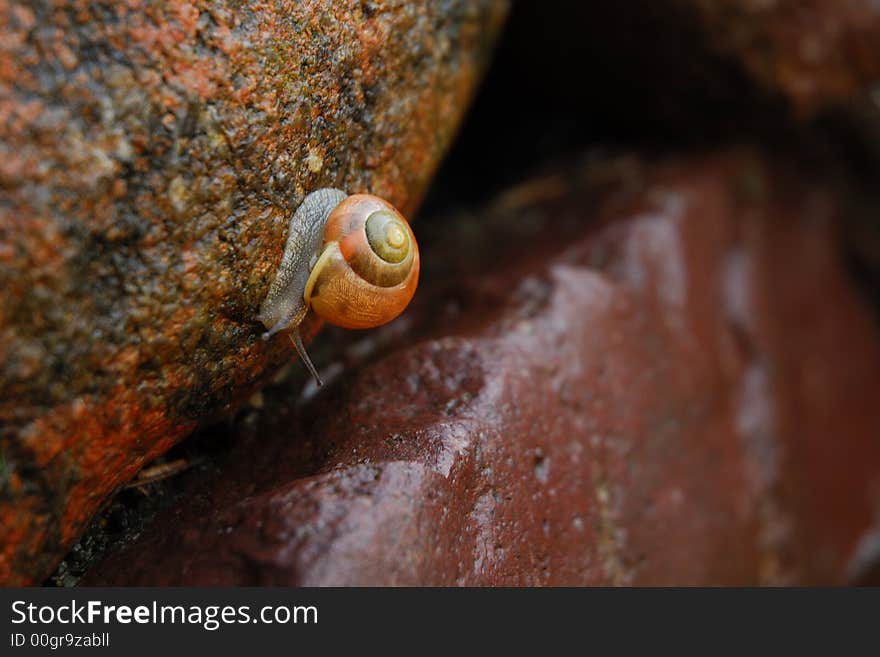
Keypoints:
(150, 156)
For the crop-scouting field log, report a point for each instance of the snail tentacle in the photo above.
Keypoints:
(301, 349)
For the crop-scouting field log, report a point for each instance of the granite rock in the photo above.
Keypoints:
(151, 154)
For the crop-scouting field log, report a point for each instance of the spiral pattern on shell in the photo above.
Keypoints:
(368, 269)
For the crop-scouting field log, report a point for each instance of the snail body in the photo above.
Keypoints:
(353, 260)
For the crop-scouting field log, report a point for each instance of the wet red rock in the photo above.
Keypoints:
(150, 156)
(670, 380)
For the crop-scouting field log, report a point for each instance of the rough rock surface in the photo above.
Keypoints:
(672, 380)
(150, 156)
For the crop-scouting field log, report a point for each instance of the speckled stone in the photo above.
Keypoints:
(150, 156)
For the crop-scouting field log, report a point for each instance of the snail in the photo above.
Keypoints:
(353, 260)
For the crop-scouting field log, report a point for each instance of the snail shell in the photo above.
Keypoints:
(352, 259)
